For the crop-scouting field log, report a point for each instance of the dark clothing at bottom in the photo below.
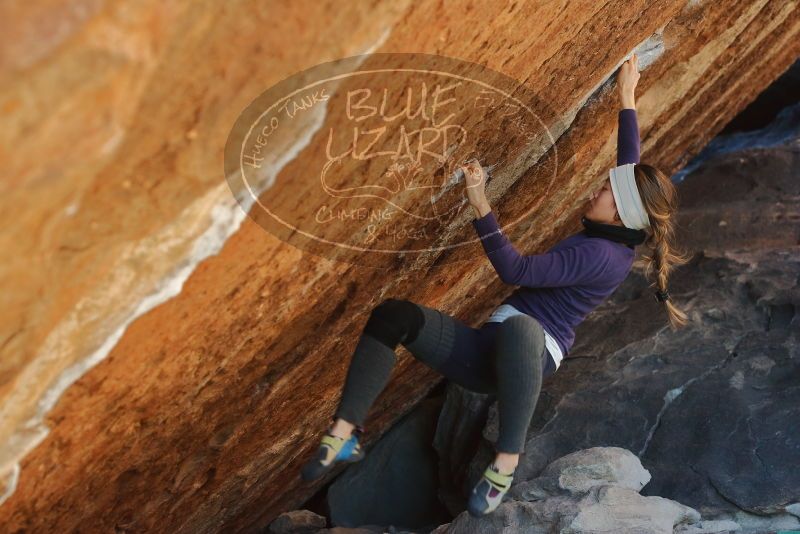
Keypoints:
(470, 361)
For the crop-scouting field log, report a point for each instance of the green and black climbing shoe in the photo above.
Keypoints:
(344, 450)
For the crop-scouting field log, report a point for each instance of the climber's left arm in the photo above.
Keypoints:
(628, 142)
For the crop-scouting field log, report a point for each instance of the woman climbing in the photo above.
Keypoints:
(528, 335)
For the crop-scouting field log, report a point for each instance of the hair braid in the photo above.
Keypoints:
(660, 200)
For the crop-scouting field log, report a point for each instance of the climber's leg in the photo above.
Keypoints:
(391, 322)
(456, 350)
(517, 353)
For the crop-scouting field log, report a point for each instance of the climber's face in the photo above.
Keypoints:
(602, 207)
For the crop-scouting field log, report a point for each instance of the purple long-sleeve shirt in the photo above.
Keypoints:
(562, 286)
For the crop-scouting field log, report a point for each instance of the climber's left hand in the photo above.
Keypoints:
(627, 79)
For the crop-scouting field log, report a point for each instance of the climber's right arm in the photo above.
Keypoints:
(581, 264)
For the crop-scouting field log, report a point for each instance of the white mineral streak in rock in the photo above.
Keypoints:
(213, 218)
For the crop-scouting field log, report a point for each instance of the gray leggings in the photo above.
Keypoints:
(507, 359)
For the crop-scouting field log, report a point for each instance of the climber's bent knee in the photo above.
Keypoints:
(523, 325)
(520, 331)
(394, 321)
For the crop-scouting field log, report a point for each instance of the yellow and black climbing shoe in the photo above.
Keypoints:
(488, 493)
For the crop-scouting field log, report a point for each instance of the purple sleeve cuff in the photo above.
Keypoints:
(628, 144)
(492, 237)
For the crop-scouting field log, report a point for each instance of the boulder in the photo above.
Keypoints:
(168, 365)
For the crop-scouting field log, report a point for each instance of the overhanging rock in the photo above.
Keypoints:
(171, 364)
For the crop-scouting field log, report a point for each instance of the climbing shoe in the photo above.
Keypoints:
(488, 492)
(344, 450)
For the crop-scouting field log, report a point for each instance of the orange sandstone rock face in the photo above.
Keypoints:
(166, 363)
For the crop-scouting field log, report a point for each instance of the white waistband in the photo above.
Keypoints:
(504, 311)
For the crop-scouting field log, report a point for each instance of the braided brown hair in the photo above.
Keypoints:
(660, 200)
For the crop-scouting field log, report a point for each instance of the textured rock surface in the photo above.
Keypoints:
(593, 498)
(580, 471)
(297, 521)
(588, 491)
(153, 378)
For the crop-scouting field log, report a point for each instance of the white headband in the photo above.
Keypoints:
(626, 195)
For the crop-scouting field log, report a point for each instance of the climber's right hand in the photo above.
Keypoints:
(475, 182)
